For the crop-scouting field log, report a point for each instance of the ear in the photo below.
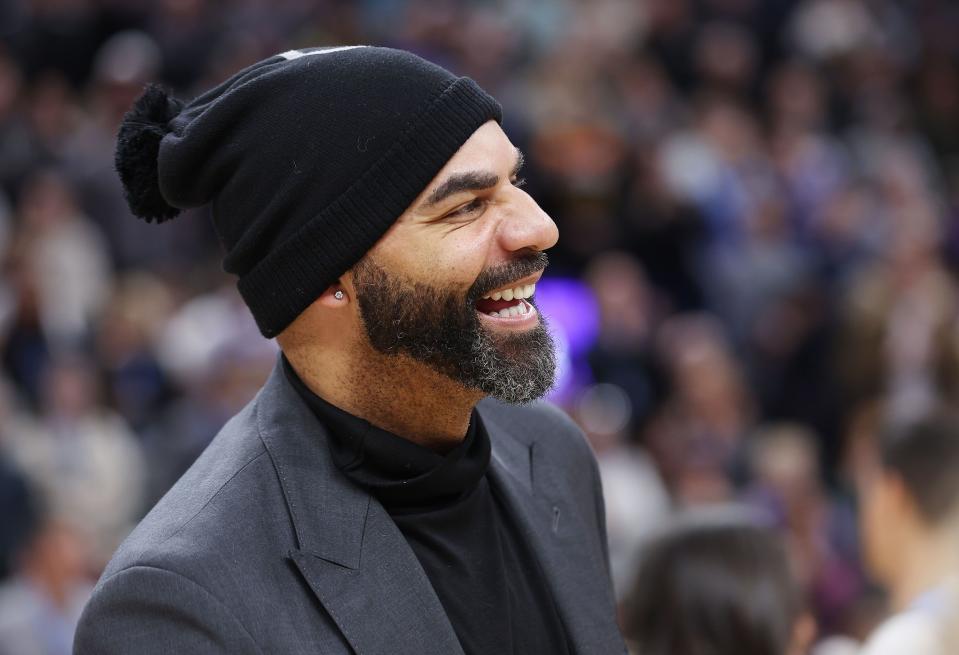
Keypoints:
(339, 294)
(314, 322)
(335, 297)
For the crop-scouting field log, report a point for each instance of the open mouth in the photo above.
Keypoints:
(507, 303)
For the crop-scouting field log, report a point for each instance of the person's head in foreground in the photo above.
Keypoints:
(370, 204)
(716, 584)
(910, 533)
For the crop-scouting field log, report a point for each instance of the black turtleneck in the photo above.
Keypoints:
(469, 545)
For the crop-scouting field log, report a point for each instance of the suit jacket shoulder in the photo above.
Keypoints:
(200, 570)
(201, 511)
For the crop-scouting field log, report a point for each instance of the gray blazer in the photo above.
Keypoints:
(263, 546)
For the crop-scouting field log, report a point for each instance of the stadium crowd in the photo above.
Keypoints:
(758, 204)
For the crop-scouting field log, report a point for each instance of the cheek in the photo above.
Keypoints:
(464, 261)
(455, 258)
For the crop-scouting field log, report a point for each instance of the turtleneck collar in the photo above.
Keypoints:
(404, 476)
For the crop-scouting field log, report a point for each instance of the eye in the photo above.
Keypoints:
(475, 205)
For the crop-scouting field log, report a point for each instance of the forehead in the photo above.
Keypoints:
(487, 149)
(489, 140)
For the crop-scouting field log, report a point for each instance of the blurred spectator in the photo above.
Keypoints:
(187, 36)
(911, 527)
(18, 514)
(900, 336)
(126, 338)
(623, 353)
(697, 436)
(665, 231)
(41, 603)
(65, 255)
(818, 530)
(717, 584)
(60, 36)
(635, 497)
(16, 151)
(81, 457)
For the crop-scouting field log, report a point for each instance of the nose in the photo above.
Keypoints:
(525, 225)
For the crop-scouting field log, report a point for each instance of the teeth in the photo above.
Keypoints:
(524, 292)
(519, 309)
(518, 293)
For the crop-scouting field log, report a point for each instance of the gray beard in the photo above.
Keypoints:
(441, 329)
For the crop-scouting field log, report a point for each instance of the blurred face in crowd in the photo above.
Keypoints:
(451, 284)
(888, 514)
(56, 558)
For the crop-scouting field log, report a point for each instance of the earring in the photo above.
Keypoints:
(338, 295)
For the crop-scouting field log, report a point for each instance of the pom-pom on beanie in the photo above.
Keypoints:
(306, 159)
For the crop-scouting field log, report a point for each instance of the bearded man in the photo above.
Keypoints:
(393, 488)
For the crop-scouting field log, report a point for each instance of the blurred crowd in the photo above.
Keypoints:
(758, 204)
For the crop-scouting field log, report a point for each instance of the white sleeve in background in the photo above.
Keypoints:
(837, 645)
(914, 633)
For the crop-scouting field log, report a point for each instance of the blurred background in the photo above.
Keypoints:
(758, 203)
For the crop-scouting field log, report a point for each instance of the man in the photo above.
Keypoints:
(911, 534)
(371, 498)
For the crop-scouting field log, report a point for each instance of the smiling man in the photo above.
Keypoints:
(393, 488)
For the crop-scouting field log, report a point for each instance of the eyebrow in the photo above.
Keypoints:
(470, 181)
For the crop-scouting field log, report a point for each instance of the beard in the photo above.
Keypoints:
(440, 327)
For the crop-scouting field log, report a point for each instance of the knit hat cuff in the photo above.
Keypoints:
(297, 271)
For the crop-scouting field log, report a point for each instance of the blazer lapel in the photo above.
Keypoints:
(350, 553)
(558, 536)
(386, 604)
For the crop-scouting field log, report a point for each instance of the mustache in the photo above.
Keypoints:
(500, 275)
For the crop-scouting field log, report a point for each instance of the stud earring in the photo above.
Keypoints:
(338, 295)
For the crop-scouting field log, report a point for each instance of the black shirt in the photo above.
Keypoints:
(473, 553)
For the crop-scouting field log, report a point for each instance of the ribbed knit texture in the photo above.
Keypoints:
(308, 160)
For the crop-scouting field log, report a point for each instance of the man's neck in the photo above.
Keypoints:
(394, 393)
(926, 564)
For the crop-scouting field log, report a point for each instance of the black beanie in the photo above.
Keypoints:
(306, 158)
